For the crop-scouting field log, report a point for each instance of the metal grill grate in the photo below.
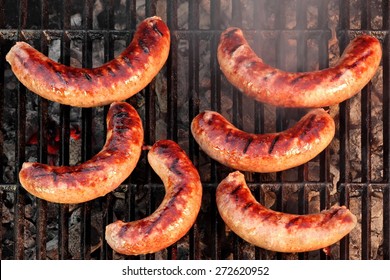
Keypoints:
(299, 35)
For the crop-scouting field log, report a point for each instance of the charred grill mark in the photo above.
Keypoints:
(122, 115)
(230, 33)
(98, 72)
(269, 75)
(179, 189)
(127, 61)
(123, 230)
(143, 46)
(251, 64)
(329, 216)
(111, 149)
(297, 79)
(162, 148)
(311, 120)
(248, 205)
(248, 142)
(336, 76)
(62, 79)
(307, 126)
(18, 57)
(293, 222)
(122, 122)
(266, 216)
(360, 60)
(87, 76)
(155, 28)
(46, 171)
(240, 60)
(353, 65)
(210, 120)
(301, 222)
(153, 225)
(234, 192)
(54, 175)
(174, 167)
(310, 125)
(121, 129)
(230, 132)
(110, 71)
(271, 148)
(166, 209)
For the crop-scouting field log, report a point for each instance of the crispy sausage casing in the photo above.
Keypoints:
(176, 213)
(116, 80)
(277, 231)
(98, 176)
(247, 72)
(271, 152)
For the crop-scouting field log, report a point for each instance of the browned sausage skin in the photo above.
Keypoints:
(272, 152)
(116, 80)
(246, 71)
(176, 213)
(277, 231)
(98, 176)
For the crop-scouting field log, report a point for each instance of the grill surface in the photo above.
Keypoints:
(301, 35)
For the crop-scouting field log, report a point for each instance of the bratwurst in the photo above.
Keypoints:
(176, 213)
(277, 231)
(98, 176)
(116, 80)
(271, 152)
(264, 83)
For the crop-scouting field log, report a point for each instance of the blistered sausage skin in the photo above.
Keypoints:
(271, 152)
(277, 231)
(115, 80)
(176, 213)
(264, 83)
(98, 176)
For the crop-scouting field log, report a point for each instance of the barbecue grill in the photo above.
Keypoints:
(298, 35)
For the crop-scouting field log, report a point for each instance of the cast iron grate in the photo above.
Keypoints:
(299, 35)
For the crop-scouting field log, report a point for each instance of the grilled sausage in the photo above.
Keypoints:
(116, 80)
(98, 176)
(277, 231)
(176, 213)
(264, 83)
(272, 152)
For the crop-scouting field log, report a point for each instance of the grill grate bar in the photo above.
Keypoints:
(42, 157)
(63, 210)
(172, 65)
(366, 224)
(344, 243)
(20, 155)
(193, 105)
(21, 193)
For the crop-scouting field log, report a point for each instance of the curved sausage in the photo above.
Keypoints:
(264, 83)
(98, 176)
(277, 231)
(115, 80)
(176, 213)
(272, 152)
